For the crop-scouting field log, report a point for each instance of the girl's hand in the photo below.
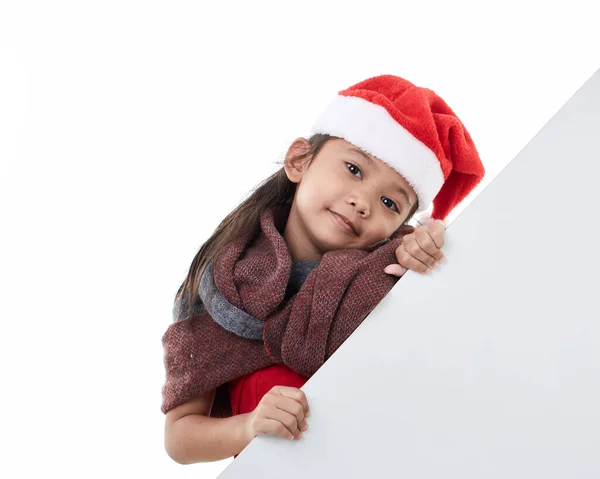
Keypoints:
(420, 250)
(281, 412)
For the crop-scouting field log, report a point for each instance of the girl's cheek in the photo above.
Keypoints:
(308, 199)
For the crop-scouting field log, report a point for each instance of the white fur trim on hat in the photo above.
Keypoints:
(372, 129)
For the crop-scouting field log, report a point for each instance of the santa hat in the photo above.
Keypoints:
(412, 130)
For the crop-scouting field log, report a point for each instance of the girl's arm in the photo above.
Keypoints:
(191, 436)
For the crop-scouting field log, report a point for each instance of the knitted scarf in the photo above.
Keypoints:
(245, 321)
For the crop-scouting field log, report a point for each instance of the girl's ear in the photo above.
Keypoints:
(296, 159)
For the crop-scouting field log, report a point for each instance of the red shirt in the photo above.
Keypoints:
(246, 392)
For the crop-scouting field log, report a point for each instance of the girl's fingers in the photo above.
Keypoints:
(429, 244)
(297, 395)
(395, 269)
(412, 250)
(412, 263)
(425, 242)
(293, 407)
(437, 230)
(282, 412)
(275, 427)
(437, 234)
(288, 420)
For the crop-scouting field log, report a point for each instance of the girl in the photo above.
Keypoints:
(292, 271)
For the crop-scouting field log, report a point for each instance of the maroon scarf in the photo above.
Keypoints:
(301, 332)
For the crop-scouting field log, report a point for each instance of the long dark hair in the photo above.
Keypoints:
(275, 190)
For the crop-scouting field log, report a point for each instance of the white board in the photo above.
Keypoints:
(490, 367)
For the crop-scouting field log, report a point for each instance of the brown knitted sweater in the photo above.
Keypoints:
(254, 325)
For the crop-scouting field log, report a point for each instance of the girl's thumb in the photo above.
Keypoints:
(395, 269)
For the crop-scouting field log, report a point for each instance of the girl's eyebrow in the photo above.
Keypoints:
(366, 157)
(371, 162)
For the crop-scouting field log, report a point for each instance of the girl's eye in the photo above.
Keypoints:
(392, 203)
(351, 165)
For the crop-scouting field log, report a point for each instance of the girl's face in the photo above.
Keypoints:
(342, 180)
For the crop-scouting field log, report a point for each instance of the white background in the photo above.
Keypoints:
(128, 130)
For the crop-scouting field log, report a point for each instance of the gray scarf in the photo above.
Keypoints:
(236, 320)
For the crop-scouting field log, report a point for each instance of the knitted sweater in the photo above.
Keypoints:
(267, 309)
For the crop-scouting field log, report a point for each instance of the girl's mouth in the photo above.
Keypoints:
(345, 226)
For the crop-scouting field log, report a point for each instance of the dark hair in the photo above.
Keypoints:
(275, 190)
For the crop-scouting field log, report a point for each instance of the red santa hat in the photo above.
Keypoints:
(412, 130)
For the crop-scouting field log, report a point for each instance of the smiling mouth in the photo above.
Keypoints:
(345, 226)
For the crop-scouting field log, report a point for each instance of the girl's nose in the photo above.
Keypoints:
(361, 206)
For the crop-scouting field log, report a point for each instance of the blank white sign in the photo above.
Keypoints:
(490, 367)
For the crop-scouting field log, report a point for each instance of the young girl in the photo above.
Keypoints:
(293, 270)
